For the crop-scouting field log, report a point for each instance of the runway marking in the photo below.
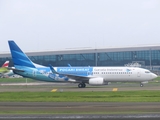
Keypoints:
(54, 90)
(115, 89)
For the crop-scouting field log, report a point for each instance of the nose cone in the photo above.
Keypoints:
(154, 76)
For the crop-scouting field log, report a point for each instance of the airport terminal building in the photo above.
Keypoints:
(147, 57)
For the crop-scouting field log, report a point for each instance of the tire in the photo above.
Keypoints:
(141, 85)
(83, 85)
(80, 85)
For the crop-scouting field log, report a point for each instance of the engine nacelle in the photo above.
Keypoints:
(96, 81)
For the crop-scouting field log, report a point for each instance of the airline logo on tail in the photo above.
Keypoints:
(6, 64)
(18, 57)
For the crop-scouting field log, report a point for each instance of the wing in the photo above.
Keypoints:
(78, 78)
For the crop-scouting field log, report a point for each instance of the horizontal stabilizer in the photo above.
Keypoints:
(14, 69)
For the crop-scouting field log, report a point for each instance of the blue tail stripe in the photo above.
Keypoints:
(18, 57)
(22, 63)
(13, 46)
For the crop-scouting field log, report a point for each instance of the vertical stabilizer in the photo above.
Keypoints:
(6, 64)
(19, 58)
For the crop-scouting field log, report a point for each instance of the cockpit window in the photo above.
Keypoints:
(147, 71)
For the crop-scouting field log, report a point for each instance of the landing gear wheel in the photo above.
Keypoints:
(84, 85)
(81, 85)
(141, 85)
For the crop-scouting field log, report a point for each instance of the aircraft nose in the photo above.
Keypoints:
(154, 76)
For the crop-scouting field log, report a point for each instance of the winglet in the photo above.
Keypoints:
(69, 65)
(52, 69)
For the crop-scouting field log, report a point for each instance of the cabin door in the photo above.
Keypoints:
(139, 73)
(34, 73)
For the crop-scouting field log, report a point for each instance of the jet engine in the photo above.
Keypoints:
(97, 81)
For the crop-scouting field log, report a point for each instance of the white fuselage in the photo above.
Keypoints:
(111, 74)
(123, 74)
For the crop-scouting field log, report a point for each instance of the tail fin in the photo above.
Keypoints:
(18, 57)
(6, 64)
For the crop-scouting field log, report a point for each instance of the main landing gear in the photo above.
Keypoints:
(81, 85)
(141, 85)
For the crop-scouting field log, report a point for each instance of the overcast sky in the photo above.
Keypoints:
(37, 25)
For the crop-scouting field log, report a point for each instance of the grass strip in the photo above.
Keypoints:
(108, 96)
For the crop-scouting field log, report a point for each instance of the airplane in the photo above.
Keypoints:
(4, 69)
(82, 75)
(8, 74)
(6, 64)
